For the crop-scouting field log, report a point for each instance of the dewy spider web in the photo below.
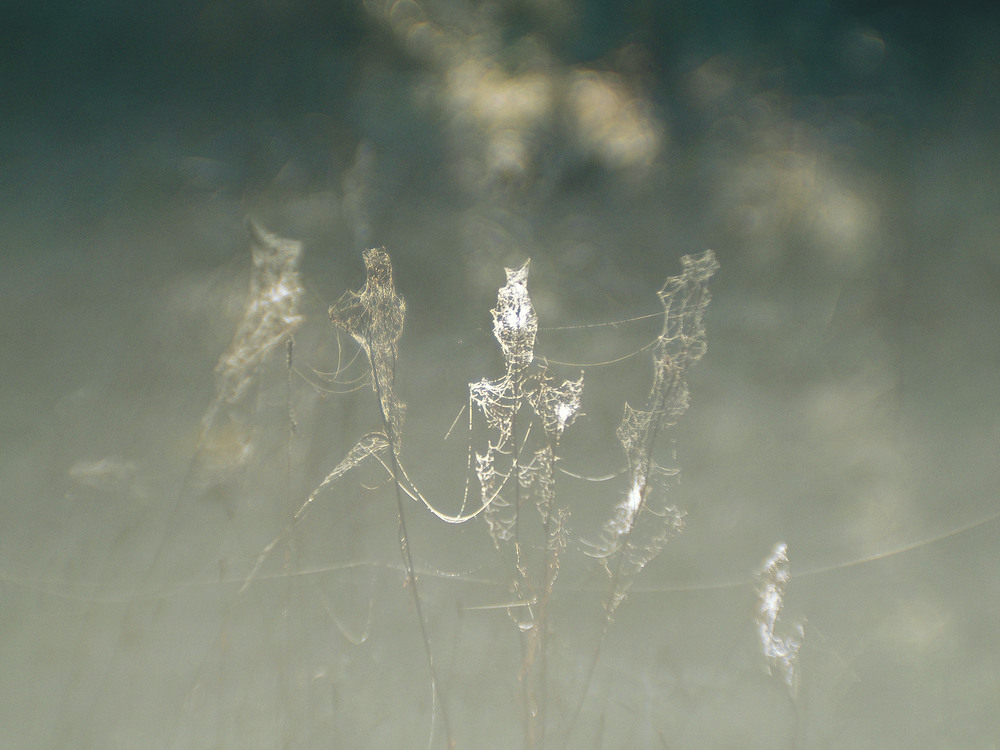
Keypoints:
(374, 318)
(527, 392)
(780, 653)
(515, 325)
(270, 317)
(644, 521)
(525, 413)
(376, 313)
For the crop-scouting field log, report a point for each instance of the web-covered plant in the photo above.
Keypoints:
(516, 424)
(271, 315)
(644, 521)
(780, 652)
(526, 412)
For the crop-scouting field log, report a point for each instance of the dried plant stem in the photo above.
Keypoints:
(411, 576)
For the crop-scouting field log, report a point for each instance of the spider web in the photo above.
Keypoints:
(644, 521)
(521, 388)
(270, 317)
(522, 417)
(780, 652)
(374, 317)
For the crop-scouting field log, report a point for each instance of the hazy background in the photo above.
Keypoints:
(840, 158)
